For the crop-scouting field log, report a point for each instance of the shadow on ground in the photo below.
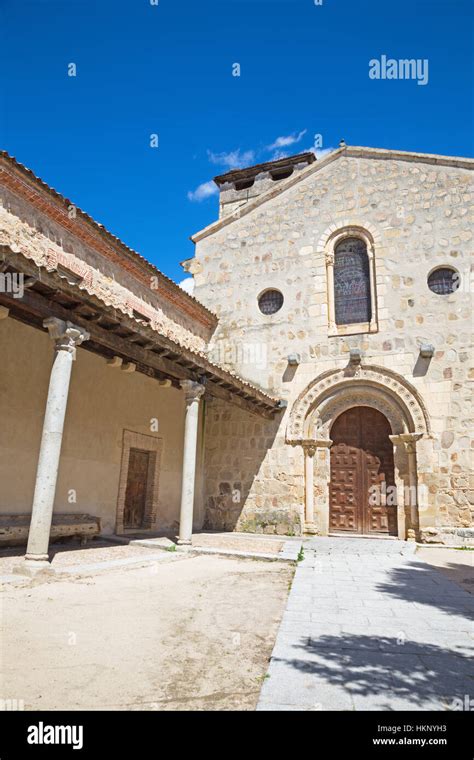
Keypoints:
(390, 674)
(421, 583)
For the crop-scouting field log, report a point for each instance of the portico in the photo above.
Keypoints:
(105, 376)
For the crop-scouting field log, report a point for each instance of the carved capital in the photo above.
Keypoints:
(408, 440)
(312, 444)
(192, 390)
(66, 335)
(329, 258)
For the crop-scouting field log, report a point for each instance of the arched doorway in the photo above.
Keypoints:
(362, 493)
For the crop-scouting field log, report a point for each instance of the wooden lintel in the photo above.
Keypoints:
(33, 308)
(32, 303)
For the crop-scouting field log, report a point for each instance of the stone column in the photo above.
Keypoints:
(66, 337)
(323, 471)
(316, 457)
(330, 280)
(400, 470)
(192, 392)
(309, 524)
(409, 441)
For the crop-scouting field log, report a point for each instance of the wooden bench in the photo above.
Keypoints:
(14, 528)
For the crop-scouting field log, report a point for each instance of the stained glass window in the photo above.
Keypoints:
(352, 282)
(443, 281)
(270, 301)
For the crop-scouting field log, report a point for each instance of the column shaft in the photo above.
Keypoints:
(373, 297)
(413, 490)
(66, 337)
(309, 487)
(193, 392)
(331, 295)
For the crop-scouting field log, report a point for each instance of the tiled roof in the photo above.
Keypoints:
(117, 297)
(252, 171)
(179, 294)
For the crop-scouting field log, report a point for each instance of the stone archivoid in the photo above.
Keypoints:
(329, 395)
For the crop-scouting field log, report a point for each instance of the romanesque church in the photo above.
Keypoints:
(317, 381)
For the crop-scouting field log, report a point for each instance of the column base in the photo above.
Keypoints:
(32, 567)
(311, 528)
(184, 546)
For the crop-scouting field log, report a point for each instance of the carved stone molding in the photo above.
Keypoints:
(334, 391)
(349, 228)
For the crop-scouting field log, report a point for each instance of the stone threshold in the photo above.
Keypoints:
(288, 553)
(376, 536)
(457, 547)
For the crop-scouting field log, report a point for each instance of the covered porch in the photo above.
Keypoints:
(102, 404)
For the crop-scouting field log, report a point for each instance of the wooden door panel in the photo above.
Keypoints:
(137, 482)
(361, 458)
(344, 488)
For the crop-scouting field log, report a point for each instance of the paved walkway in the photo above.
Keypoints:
(368, 626)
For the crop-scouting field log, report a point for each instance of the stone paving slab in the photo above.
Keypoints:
(368, 626)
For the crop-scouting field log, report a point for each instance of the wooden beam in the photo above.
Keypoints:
(162, 357)
(32, 303)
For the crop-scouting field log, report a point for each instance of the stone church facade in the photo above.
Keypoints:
(339, 285)
(318, 381)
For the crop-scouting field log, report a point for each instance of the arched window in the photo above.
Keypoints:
(352, 300)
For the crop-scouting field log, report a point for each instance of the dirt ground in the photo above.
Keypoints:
(184, 633)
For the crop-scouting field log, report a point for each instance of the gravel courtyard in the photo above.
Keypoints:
(181, 633)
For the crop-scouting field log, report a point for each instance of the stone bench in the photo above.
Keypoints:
(14, 528)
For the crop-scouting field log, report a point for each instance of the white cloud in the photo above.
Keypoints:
(279, 154)
(234, 159)
(321, 152)
(285, 141)
(187, 285)
(203, 191)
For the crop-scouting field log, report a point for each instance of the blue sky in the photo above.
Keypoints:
(166, 69)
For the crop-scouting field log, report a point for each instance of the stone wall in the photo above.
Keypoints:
(244, 467)
(103, 403)
(420, 216)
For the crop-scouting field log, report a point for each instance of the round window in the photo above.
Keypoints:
(443, 281)
(270, 301)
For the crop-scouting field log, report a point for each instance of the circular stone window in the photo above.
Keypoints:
(443, 281)
(270, 301)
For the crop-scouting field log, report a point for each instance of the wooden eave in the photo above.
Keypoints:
(113, 333)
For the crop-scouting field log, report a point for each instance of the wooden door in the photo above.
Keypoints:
(135, 495)
(361, 458)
